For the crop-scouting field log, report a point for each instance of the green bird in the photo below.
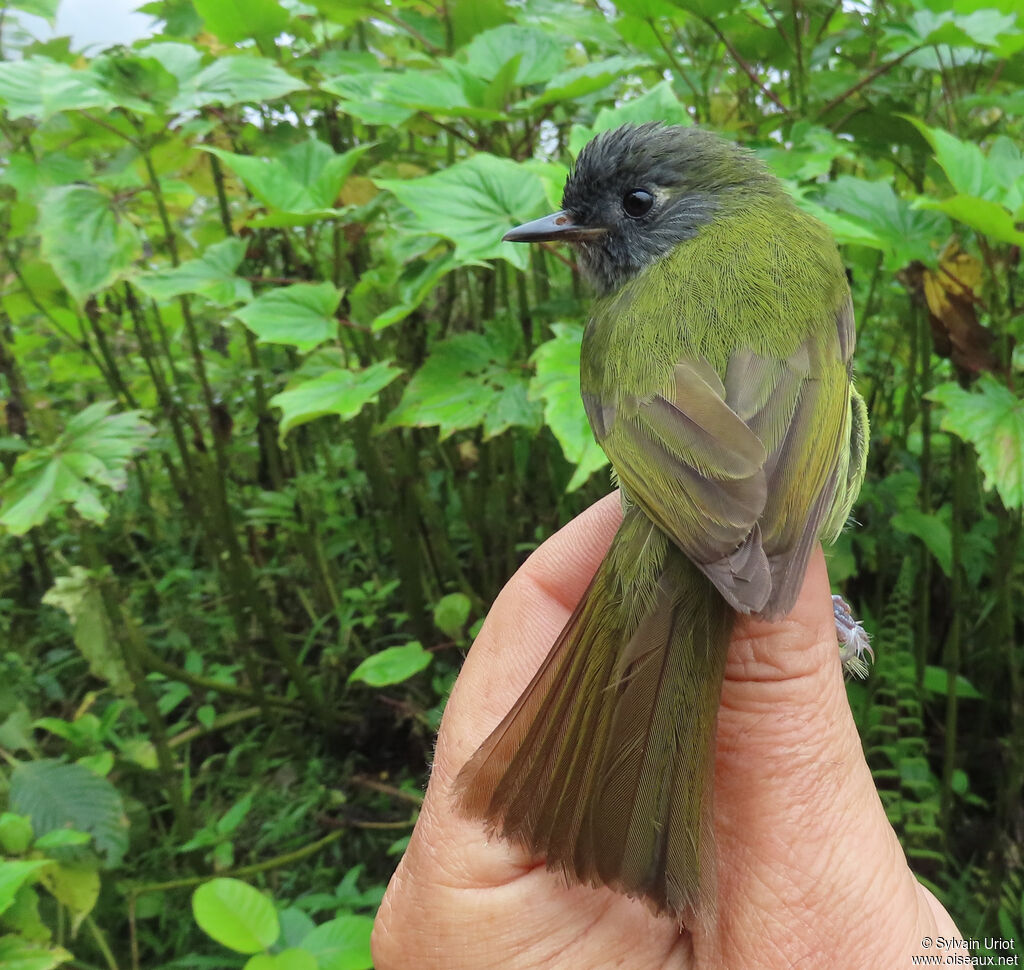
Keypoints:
(716, 373)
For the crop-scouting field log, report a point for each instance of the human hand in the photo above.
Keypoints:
(810, 872)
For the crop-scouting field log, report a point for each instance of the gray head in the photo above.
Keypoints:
(638, 191)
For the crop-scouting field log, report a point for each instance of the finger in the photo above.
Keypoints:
(800, 826)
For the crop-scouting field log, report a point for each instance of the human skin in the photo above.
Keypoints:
(810, 872)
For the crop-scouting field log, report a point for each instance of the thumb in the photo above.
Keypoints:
(808, 858)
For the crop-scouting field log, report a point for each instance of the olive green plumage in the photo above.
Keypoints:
(716, 374)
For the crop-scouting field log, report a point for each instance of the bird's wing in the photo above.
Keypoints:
(740, 469)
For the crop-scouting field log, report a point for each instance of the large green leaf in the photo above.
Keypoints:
(468, 381)
(902, 233)
(540, 56)
(141, 84)
(306, 177)
(78, 594)
(474, 203)
(963, 162)
(578, 82)
(301, 315)
(990, 417)
(359, 94)
(983, 28)
(94, 450)
(236, 915)
(987, 217)
(181, 60)
(341, 392)
(87, 242)
(449, 93)
(234, 80)
(55, 795)
(235, 20)
(211, 275)
(40, 87)
(557, 385)
(392, 665)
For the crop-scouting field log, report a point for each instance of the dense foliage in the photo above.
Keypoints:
(282, 414)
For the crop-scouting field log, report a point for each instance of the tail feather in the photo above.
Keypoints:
(604, 764)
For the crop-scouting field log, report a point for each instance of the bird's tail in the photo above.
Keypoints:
(604, 765)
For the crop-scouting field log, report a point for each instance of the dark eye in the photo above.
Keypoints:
(637, 203)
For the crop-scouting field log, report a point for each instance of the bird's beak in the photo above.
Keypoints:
(557, 227)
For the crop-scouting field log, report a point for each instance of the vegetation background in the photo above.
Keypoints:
(282, 414)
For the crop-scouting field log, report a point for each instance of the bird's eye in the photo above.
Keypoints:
(637, 203)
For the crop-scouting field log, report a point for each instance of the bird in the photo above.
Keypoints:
(716, 373)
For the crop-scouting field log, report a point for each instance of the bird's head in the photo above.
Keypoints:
(640, 190)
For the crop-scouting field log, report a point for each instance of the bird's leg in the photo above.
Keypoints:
(853, 639)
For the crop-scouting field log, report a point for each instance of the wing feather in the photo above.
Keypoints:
(722, 464)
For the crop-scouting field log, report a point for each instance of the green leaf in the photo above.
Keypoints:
(359, 94)
(307, 177)
(987, 217)
(15, 833)
(23, 916)
(86, 241)
(452, 93)
(141, 84)
(540, 56)
(41, 88)
(14, 873)
(932, 531)
(47, 9)
(59, 838)
(301, 315)
(451, 613)
(936, 681)
(578, 82)
(95, 448)
(473, 203)
(983, 28)
(557, 385)
(79, 596)
(55, 796)
(19, 954)
(234, 80)
(291, 959)
(991, 418)
(340, 392)
(183, 61)
(210, 275)
(295, 925)
(235, 915)
(392, 666)
(342, 943)
(415, 284)
(963, 162)
(468, 381)
(903, 234)
(235, 20)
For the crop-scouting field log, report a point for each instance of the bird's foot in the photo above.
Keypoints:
(853, 639)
